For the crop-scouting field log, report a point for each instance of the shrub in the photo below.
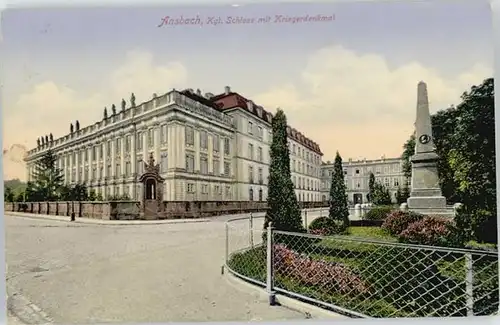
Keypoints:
(378, 213)
(397, 221)
(431, 231)
(336, 277)
(324, 226)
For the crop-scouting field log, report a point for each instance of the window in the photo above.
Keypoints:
(250, 194)
(151, 140)
(386, 182)
(189, 136)
(101, 150)
(138, 140)
(86, 154)
(261, 178)
(260, 133)
(204, 189)
(128, 168)
(216, 142)
(357, 171)
(260, 194)
(118, 170)
(108, 151)
(250, 128)
(226, 146)
(259, 153)
(250, 151)
(128, 143)
(94, 153)
(203, 140)
(345, 171)
(216, 167)
(216, 189)
(108, 170)
(227, 169)
(163, 134)
(86, 174)
(101, 171)
(396, 182)
(190, 188)
(164, 162)
(250, 174)
(117, 146)
(140, 165)
(190, 163)
(204, 165)
(94, 173)
(228, 192)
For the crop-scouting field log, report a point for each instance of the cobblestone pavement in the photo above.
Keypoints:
(85, 273)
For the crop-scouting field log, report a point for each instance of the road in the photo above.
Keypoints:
(85, 273)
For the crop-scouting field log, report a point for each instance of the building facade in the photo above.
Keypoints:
(387, 171)
(209, 148)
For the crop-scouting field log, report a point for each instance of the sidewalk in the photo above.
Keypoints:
(102, 222)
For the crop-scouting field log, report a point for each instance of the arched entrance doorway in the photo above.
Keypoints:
(152, 191)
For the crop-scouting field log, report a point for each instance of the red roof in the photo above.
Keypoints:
(232, 100)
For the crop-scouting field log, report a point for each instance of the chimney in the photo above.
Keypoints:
(190, 90)
(198, 92)
(227, 90)
(209, 95)
(154, 95)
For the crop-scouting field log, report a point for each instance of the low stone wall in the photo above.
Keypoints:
(130, 210)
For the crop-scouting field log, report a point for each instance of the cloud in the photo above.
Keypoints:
(357, 104)
(51, 107)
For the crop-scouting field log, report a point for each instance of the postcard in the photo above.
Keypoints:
(252, 162)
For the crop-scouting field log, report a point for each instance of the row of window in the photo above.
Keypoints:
(305, 183)
(203, 137)
(190, 165)
(304, 153)
(300, 167)
(205, 190)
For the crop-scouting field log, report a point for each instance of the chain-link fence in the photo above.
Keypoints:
(365, 278)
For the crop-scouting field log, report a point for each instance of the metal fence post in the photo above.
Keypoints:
(469, 286)
(250, 225)
(227, 243)
(305, 219)
(270, 273)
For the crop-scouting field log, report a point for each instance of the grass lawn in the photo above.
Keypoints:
(371, 233)
(386, 268)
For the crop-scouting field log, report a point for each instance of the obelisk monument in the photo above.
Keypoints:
(425, 196)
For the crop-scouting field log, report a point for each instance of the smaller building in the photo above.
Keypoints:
(388, 171)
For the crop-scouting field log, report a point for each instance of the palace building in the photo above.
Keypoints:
(387, 171)
(209, 148)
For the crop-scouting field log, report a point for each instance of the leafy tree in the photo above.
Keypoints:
(283, 209)
(381, 195)
(76, 192)
(47, 178)
(371, 187)
(339, 211)
(402, 194)
(8, 195)
(408, 151)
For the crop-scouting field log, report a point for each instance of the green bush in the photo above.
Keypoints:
(324, 226)
(378, 213)
(430, 231)
(398, 221)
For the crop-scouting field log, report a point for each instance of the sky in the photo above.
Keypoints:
(349, 84)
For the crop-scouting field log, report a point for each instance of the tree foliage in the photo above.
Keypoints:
(402, 194)
(47, 179)
(371, 187)
(283, 208)
(381, 195)
(8, 195)
(339, 211)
